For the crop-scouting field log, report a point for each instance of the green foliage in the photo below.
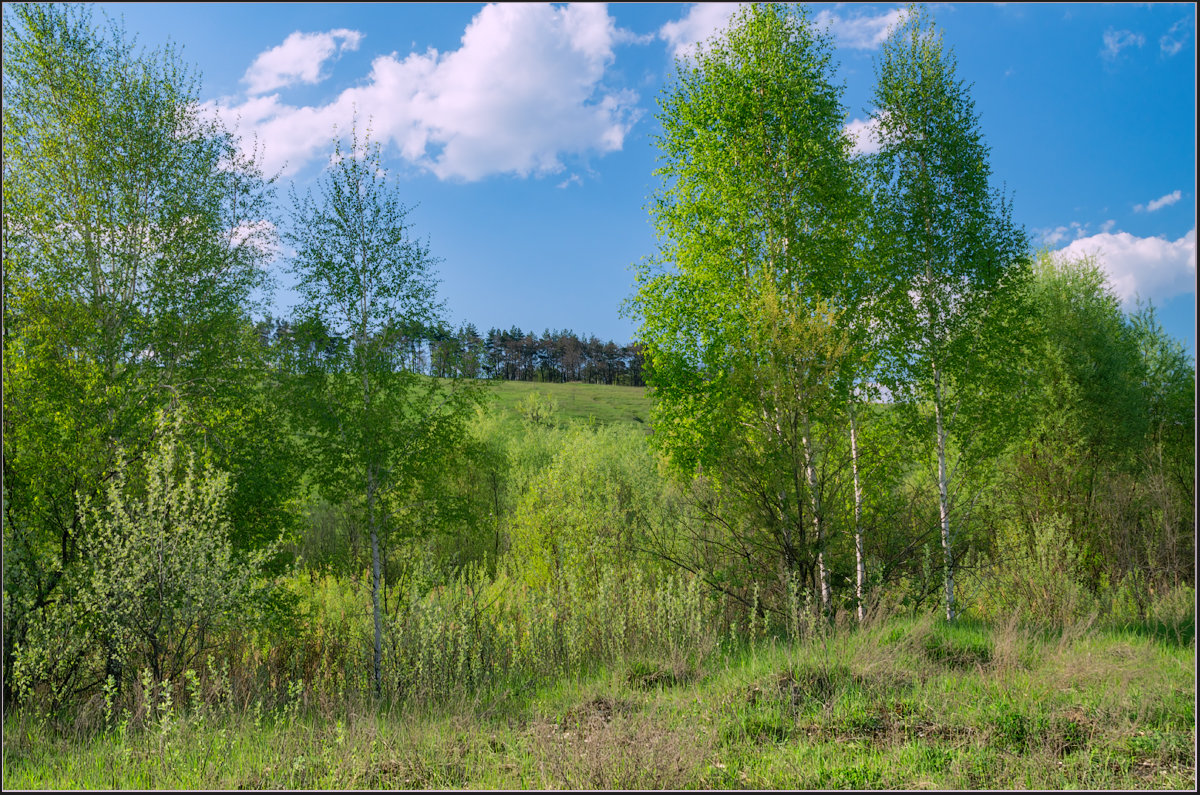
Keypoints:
(954, 319)
(537, 408)
(1038, 577)
(949, 247)
(743, 119)
(590, 507)
(382, 435)
(164, 578)
(1092, 501)
(1090, 365)
(160, 583)
(1169, 389)
(750, 306)
(134, 235)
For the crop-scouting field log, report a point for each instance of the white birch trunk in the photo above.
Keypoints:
(943, 496)
(375, 580)
(860, 562)
(814, 497)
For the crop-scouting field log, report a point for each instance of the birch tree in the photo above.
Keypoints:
(365, 283)
(953, 255)
(135, 234)
(758, 197)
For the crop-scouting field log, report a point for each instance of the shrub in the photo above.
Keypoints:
(1038, 574)
(163, 577)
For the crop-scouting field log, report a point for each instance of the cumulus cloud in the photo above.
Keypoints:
(865, 135)
(1150, 267)
(523, 89)
(860, 31)
(1052, 236)
(1174, 40)
(1159, 203)
(1117, 40)
(298, 60)
(700, 22)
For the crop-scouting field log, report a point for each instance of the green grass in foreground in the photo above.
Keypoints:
(606, 404)
(909, 704)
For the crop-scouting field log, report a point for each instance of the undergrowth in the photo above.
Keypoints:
(905, 702)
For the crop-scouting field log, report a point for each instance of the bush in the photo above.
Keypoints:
(537, 408)
(160, 580)
(1038, 574)
(163, 574)
(589, 507)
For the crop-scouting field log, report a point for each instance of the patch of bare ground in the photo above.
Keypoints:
(606, 744)
(600, 709)
(413, 770)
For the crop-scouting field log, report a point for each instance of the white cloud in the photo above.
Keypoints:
(1173, 41)
(1052, 236)
(623, 36)
(862, 31)
(1159, 203)
(1117, 40)
(523, 89)
(1151, 267)
(701, 22)
(261, 235)
(298, 59)
(865, 135)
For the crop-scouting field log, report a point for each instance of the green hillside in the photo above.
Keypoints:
(606, 404)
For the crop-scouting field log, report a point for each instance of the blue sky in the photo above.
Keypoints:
(523, 134)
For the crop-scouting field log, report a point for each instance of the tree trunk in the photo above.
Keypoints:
(375, 578)
(943, 496)
(814, 497)
(860, 562)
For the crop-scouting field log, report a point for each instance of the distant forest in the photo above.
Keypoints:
(554, 356)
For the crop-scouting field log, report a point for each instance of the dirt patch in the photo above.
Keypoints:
(892, 723)
(806, 685)
(1070, 732)
(650, 675)
(598, 710)
(598, 752)
(414, 772)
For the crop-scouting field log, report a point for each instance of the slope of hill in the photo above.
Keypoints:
(605, 404)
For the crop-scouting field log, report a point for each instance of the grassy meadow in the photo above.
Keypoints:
(562, 665)
(917, 510)
(576, 400)
(903, 703)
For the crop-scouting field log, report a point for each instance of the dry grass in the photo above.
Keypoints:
(903, 703)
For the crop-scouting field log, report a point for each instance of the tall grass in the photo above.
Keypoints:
(473, 633)
(904, 701)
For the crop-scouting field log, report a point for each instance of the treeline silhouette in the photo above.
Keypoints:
(554, 356)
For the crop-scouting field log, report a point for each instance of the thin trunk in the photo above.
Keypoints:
(375, 579)
(860, 562)
(943, 498)
(376, 568)
(814, 496)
